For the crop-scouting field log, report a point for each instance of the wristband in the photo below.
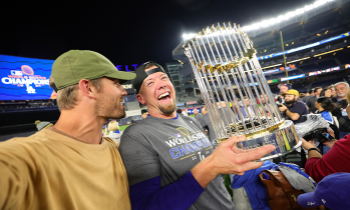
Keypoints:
(313, 149)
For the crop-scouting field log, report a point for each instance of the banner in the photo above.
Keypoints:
(25, 78)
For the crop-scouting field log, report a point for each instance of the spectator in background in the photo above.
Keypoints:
(240, 106)
(334, 93)
(325, 106)
(337, 158)
(144, 113)
(294, 109)
(113, 131)
(341, 89)
(302, 95)
(205, 122)
(185, 112)
(332, 192)
(284, 87)
(250, 108)
(199, 116)
(327, 92)
(308, 95)
(264, 106)
(179, 111)
(312, 93)
(311, 101)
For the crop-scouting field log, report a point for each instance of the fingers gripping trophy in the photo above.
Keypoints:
(228, 74)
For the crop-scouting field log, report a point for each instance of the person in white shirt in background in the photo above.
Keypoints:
(113, 131)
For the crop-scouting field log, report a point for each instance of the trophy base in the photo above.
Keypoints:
(284, 138)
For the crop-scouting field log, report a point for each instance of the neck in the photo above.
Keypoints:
(159, 114)
(82, 125)
(162, 115)
(320, 109)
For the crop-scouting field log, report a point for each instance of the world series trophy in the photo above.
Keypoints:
(231, 82)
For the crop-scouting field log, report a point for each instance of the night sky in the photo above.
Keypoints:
(126, 32)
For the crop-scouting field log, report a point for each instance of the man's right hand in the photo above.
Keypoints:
(228, 159)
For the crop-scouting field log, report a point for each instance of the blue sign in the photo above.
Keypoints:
(24, 78)
(28, 78)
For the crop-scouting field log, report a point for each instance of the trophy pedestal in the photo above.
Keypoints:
(284, 138)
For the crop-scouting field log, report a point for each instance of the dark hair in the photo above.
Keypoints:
(179, 111)
(311, 91)
(323, 92)
(326, 103)
(143, 111)
(316, 88)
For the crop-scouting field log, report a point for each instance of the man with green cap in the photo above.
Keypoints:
(70, 165)
(170, 162)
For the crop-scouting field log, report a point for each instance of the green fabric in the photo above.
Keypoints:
(74, 65)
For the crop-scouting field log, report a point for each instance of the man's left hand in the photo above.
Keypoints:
(282, 108)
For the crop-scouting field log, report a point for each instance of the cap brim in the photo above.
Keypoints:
(308, 200)
(122, 75)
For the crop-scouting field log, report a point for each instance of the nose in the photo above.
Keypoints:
(124, 92)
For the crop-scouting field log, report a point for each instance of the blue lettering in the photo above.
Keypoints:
(206, 142)
(119, 67)
(200, 143)
(135, 66)
(189, 148)
(182, 150)
(194, 146)
(126, 68)
(174, 153)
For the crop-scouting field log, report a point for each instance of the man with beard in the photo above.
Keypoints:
(170, 162)
(294, 109)
(341, 89)
(70, 165)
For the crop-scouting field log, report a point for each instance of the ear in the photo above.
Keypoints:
(140, 98)
(86, 88)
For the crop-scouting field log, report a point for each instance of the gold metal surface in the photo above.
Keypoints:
(264, 131)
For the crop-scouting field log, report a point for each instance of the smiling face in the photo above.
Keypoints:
(109, 99)
(341, 90)
(158, 94)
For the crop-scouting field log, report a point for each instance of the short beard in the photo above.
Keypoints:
(341, 94)
(290, 102)
(169, 109)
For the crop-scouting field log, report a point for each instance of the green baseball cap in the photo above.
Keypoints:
(74, 65)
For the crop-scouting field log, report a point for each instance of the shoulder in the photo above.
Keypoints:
(192, 120)
(299, 104)
(27, 146)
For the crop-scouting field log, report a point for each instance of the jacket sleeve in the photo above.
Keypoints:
(337, 159)
(179, 195)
